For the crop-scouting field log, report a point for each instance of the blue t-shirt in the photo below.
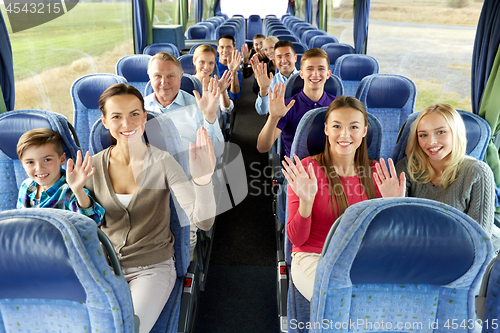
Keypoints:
(288, 124)
(222, 69)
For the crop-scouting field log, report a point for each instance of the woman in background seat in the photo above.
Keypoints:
(323, 186)
(437, 168)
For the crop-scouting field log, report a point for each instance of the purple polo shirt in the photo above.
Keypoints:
(288, 124)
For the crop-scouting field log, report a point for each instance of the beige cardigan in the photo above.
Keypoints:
(140, 233)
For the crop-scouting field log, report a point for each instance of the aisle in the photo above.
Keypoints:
(240, 294)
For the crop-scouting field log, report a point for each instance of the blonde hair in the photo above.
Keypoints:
(166, 57)
(419, 167)
(314, 53)
(361, 160)
(205, 48)
(272, 39)
(39, 137)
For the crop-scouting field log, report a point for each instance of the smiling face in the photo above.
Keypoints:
(205, 64)
(124, 118)
(225, 47)
(257, 44)
(285, 59)
(315, 71)
(435, 138)
(268, 49)
(42, 164)
(165, 79)
(345, 129)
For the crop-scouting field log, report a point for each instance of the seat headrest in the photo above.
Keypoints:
(135, 68)
(198, 32)
(16, 124)
(90, 88)
(388, 92)
(473, 132)
(34, 262)
(413, 244)
(356, 68)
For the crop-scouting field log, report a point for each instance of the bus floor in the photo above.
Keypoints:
(240, 290)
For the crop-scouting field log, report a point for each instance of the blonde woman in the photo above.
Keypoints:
(204, 60)
(436, 168)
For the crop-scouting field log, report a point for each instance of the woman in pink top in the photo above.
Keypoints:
(323, 186)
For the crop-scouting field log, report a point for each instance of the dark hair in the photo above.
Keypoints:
(361, 160)
(117, 90)
(284, 43)
(257, 36)
(227, 37)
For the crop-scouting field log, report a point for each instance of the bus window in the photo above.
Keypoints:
(429, 42)
(48, 58)
(166, 12)
(258, 7)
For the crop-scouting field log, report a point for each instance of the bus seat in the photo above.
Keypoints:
(352, 68)
(134, 68)
(15, 123)
(428, 256)
(54, 275)
(178, 314)
(210, 26)
(297, 63)
(279, 31)
(186, 61)
(318, 41)
(198, 32)
(488, 296)
(390, 98)
(85, 93)
(298, 26)
(287, 37)
(336, 50)
(308, 34)
(295, 84)
(254, 26)
(310, 140)
(299, 47)
(162, 47)
(477, 130)
(193, 48)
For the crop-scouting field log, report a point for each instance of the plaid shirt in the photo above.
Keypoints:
(58, 196)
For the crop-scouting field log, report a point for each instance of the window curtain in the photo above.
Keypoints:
(199, 11)
(142, 11)
(486, 80)
(308, 11)
(323, 15)
(7, 92)
(361, 16)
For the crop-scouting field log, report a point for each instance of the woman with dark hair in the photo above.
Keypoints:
(133, 182)
(323, 186)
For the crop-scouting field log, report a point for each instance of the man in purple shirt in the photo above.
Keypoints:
(284, 116)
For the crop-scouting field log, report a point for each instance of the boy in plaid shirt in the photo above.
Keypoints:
(49, 186)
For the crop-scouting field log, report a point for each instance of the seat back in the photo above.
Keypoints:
(254, 26)
(13, 124)
(188, 84)
(161, 47)
(336, 50)
(186, 61)
(352, 68)
(85, 93)
(477, 130)
(289, 37)
(191, 50)
(416, 260)
(134, 68)
(308, 34)
(54, 274)
(299, 47)
(295, 84)
(318, 41)
(198, 32)
(210, 26)
(391, 98)
(162, 133)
